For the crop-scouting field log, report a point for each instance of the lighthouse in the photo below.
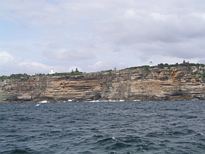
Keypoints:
(52, 71)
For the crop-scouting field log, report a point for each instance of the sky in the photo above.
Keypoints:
(93, 35)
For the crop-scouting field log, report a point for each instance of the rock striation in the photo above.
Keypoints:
(163, 82)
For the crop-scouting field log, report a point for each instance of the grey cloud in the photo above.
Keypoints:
(107, 33)
(71, 55)
(148, 29)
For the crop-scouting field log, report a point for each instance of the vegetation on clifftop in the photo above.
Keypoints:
(146, 69)
(15, 76)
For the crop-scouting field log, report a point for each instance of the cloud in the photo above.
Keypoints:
(96, 35)
(11, 64)
(100, 65)
(5, 58)
(33, 66)
(71, 55)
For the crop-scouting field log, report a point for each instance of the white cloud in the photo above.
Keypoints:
(34, 65)
(5, 58)
(11, 64)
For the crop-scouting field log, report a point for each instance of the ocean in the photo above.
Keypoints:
(103, 128)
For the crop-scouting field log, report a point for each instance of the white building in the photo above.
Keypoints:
(52, 71)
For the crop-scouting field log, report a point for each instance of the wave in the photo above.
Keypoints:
(21, 151)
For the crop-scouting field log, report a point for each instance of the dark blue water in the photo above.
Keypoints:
(101, 128)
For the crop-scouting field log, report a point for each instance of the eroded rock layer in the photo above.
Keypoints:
(178, 82)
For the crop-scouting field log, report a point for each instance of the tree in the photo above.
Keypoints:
(76, 70)
(161, 65)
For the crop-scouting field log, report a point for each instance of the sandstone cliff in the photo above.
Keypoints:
(162, 82)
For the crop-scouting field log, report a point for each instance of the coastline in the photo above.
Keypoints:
(145, 83)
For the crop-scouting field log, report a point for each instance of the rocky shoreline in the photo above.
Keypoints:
(145, 83)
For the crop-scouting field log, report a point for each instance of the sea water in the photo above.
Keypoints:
(103, 128)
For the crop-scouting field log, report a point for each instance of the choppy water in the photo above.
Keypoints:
(100, 128)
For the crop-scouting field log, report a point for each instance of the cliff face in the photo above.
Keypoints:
(179, 82)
